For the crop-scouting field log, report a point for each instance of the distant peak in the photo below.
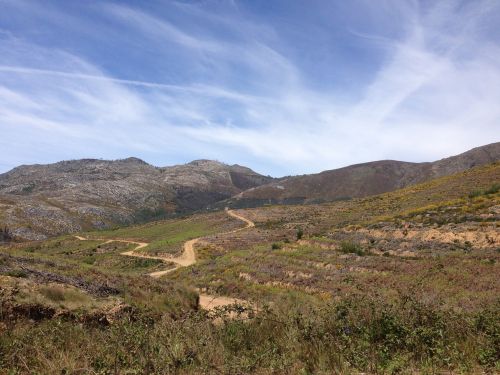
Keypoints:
(133, 160)
(202, 162)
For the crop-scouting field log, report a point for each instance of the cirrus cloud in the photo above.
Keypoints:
(226, 81)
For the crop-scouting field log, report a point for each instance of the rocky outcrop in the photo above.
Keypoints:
(37, 201)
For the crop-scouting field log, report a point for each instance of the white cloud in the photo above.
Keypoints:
(435, 94)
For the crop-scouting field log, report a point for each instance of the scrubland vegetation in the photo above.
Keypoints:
(404, 282)
(343, 337)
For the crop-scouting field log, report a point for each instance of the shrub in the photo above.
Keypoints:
(355, 335)
(300, 233)
(276, 246)
(348, 247)
(17, 273)
(54, 293)
(143, 262)
(475, 193)
(493, 189)
(89, 260)
(5, 234)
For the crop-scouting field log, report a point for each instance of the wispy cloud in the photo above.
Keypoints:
(233, 87)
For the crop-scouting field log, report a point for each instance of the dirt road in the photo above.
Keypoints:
(187, 258)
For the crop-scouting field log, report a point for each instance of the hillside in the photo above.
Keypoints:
(37, 201)
(65, 197)
(403, 282)
(361, 180)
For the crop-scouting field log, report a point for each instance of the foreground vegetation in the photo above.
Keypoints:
(344, 337)
(405, 282)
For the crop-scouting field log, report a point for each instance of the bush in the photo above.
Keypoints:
(300, 233)
(276, 246)
(495, 188)
(5, 234)
(53, 293)
(475, 193)
(17, 273)
(89, 260)
(348, 247)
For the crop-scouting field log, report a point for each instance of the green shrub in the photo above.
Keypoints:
(348, 247)
(89, 260)
(17, 273)
(144, 262)
(493, 189)
(276, 246)
(475, 193)
(300, 233)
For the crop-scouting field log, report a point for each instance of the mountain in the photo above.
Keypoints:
(360, 180)
(37, 201)
(41, 200)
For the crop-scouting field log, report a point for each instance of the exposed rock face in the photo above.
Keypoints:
(41, 200)
(361, 180)
(203, 182)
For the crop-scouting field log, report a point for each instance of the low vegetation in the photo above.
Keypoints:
(348, 247)
(167, 237)
(400, 283)
(351, 336)
(5, 234)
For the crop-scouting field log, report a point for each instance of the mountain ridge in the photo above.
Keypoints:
(42, 200)
(49, 199)
(360, 180)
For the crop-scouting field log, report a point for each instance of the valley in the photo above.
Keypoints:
(400, 282)
(249, 187)
(185, 259)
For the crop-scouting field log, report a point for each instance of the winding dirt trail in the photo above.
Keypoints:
(187, 258)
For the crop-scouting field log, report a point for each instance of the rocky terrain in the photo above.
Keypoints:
(69, 196)
(37, 201)
(361, 180)
(404, 282)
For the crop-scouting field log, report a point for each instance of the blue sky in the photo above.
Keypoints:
(282, 86)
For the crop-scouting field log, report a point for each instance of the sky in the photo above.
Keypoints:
(282, 86)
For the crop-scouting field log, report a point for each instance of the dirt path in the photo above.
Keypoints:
(187, 258)
(250, 224)
(209, 302)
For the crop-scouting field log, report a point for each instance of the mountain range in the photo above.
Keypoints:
(361, 180)
(37, 201)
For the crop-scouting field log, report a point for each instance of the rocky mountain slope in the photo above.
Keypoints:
(65, 197)
(37, 201)
(360, 180)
